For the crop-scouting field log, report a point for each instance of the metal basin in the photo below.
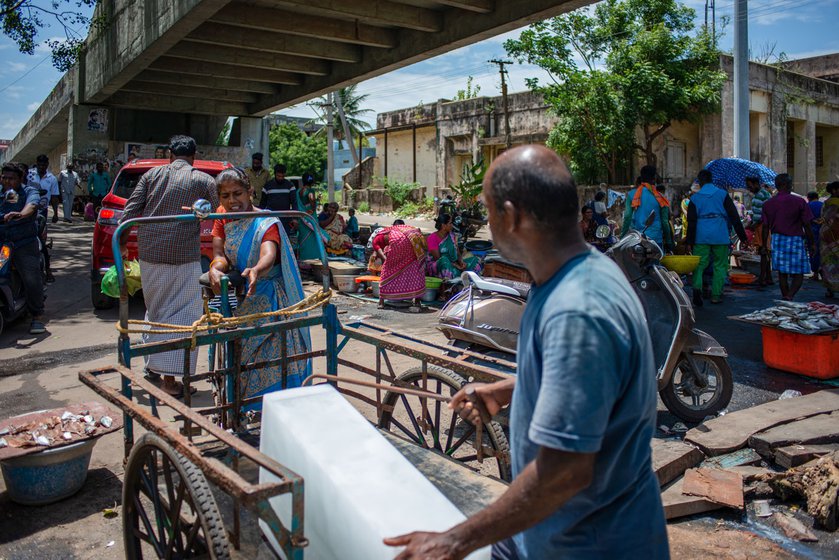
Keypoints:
(48, 476)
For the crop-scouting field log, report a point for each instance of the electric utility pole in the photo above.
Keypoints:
(330, 157)
(741, 79)
(508, 139)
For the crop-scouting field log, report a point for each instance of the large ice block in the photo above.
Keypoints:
(358, 488)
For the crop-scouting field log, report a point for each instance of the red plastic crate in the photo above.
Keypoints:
(813, 355)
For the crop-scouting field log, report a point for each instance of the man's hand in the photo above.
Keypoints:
(495, 396)
(426, 546)
(12, 216)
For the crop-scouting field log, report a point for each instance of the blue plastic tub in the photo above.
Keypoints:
(48, 476)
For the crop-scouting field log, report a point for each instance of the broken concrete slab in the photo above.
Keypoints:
(740, 457)
(794, 455)
(671, 458)
(822, 428)
(731, 432)
(678, 504)
(716, 485)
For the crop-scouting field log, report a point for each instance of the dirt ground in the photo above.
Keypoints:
(42, 372)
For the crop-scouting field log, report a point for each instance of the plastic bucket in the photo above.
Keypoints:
(48, 476)
(433, 283)
(345, 283)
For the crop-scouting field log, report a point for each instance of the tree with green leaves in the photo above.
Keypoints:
(351, 102)
(621, 74)
(23, 21)
(300, 154)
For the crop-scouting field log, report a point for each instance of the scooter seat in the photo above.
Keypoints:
(523, 288)
(497, 285)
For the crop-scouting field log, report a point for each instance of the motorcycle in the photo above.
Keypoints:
(12, 290)
(694, 378)
(464, 223)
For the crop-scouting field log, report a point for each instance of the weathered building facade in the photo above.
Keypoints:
(794, 128)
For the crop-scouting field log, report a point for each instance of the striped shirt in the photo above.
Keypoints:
(758, 201)
(164, 191)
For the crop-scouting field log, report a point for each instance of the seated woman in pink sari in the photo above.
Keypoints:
(403, 252)
(335, 227)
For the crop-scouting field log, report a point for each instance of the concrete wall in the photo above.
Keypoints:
(399, 150)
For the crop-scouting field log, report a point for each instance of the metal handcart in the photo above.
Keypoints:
(169, 510)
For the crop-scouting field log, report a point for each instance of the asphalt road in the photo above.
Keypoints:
(38, 372)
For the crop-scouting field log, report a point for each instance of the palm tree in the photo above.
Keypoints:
(351, 101)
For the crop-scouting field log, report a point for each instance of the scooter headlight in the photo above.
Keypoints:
(5, 255)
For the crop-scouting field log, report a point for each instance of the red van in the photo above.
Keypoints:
(102, 257)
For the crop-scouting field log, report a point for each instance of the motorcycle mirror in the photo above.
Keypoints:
(202, 208)
(602, 232)
(649, 221)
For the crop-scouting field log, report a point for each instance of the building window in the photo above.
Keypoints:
(790, 151)
(819, 151)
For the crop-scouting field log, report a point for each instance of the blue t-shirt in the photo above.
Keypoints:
(586, 384)
(21, 231)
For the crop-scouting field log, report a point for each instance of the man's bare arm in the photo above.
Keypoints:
(544, 485)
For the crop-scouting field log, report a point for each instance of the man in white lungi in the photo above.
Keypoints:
(170, 254)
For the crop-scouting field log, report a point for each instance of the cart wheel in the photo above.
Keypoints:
(167, 507)
(441, 429)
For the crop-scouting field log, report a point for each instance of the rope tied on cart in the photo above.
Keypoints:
(212, 320)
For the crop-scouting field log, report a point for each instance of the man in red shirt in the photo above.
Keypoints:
(788, 217)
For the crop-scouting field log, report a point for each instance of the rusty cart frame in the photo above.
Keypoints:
(174, 459)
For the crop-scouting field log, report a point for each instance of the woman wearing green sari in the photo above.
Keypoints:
(444, 261)
(307, 233)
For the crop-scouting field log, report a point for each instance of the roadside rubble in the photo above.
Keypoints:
(784, 451)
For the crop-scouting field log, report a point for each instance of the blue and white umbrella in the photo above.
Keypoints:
(732, 172)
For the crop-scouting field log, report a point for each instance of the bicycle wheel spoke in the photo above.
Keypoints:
(451, 431)
(460, 441)
(145, 519)
(413, 419)
(406, 431)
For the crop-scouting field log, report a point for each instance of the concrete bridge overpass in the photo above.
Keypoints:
(184, 66)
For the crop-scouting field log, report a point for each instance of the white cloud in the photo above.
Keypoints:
(32, 107)
(14, 92)
(16, 66)
(10, 125)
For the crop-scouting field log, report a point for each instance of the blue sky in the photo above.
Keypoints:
(799, 28)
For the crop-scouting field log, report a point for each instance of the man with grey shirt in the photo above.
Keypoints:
(170, 253)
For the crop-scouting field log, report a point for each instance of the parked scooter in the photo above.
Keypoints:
(12, 291)
(694, 378)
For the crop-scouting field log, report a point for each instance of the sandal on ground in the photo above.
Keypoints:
(180, 393)
(152, 376)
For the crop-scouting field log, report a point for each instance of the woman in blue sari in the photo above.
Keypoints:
(259, 249)
(307, 233)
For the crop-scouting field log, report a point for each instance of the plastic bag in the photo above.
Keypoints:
(110, 282)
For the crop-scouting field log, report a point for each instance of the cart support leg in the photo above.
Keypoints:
(127, 422)
(330, 317)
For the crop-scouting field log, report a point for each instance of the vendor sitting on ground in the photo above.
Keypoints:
(259, 250)
(444, 261)
(335, 227)
(402, 251)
